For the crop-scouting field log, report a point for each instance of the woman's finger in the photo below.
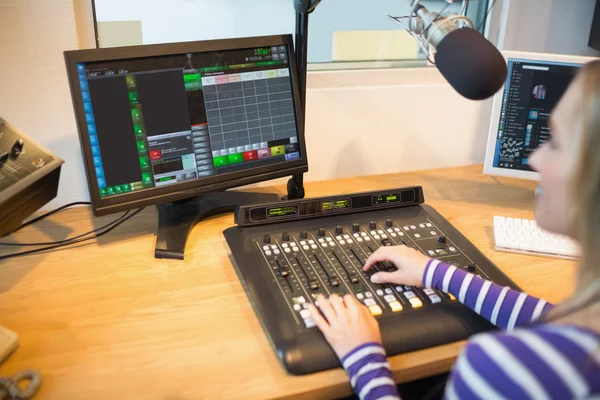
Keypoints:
(326, 309)
(322, 324)
(338, 306)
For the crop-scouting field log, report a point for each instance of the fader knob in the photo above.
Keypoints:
(442, 239)
(285, 237)
(471, 268)
(321, 232)
(355, 227)
(267, 239)
(372, 225)
(389, 223)
(303, 235)
(339, 230)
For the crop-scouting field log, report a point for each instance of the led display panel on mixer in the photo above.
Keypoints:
(287, 264)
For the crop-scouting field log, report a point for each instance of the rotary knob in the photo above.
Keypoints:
(285, 237)
(372, 225)
(17, 148)
(339, 230)
(355, 227)
(267, 239)
(389, 222)
(321, 232)
(303, 235)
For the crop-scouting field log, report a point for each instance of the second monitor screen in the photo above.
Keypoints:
(531, 93)
(159, 121)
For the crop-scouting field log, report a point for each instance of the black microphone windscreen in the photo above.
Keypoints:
(471, 64)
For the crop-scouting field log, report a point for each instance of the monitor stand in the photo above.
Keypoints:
(176, 219)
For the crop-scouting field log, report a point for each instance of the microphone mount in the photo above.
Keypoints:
(303, 9)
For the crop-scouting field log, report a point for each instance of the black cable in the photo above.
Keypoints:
(72, 242)
(486, 16)
(68, 239)
(59, 209)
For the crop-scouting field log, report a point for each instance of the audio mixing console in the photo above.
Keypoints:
(288, 253)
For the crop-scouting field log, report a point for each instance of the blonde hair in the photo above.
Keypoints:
(584, 307)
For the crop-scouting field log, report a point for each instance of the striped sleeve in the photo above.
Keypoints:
(542, 363)
(502, 306)
(370, 373)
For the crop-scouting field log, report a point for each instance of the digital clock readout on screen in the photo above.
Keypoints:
(336, 205)
(278, 212)
(388, 198)
(263, 52)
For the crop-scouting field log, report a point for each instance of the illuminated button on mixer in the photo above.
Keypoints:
(360, 296)
(428, 291)
(399, 289)
(379, 292)
(299, 300)
(370, 302)
(375, 310)
(297, 307)
(305, 314)
(416, 303)
(409, 295)
(388, 291)
(396, 306)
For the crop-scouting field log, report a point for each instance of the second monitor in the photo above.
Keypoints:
(519, 124)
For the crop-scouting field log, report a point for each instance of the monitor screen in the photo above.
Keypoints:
(531, 92)
(173, 121)
(534, 86)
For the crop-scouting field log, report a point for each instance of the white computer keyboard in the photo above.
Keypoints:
(518, 235)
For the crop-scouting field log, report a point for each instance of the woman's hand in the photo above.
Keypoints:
(411, 265)
(347, 323)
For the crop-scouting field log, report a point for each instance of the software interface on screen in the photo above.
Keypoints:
(532, 90)
(160, 121)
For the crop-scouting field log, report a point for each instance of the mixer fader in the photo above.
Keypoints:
(289, 253)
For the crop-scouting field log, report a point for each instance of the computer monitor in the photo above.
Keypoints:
(161, 123)
(519, 122)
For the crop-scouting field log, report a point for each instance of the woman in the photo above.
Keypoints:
(545, 351)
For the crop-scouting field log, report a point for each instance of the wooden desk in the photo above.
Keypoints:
(107, 320)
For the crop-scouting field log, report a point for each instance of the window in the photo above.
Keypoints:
(343, 34)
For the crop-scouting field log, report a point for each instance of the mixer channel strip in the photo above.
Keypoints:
(307, 265)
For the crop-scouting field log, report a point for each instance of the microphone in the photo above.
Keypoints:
(469, 62)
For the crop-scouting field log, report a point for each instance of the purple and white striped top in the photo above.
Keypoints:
(543, 361)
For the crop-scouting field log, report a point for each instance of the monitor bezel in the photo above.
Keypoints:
(489, 168)
(161, 195)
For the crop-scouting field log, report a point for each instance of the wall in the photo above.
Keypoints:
(550, 26)
(34, 93)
